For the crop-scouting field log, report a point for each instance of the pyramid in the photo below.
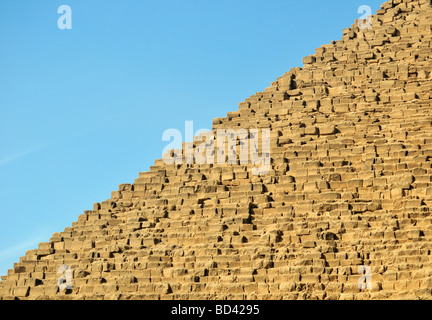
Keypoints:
(342, 213)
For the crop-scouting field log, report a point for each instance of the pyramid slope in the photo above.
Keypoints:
(349, 186)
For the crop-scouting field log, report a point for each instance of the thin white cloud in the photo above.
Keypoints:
(21, 248)
(4, 194)
(22, 154)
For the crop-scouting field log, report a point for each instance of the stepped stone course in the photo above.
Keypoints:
(349, 185)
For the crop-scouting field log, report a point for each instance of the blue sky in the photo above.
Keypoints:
(84, 110)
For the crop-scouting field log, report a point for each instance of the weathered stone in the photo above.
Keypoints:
(349, 185)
